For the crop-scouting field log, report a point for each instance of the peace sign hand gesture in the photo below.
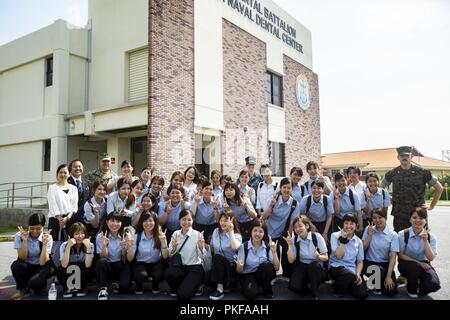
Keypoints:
(289, 240)
(105, 239)
(23, 233)
(168, 209)
(273, 245)
(95, 207)
(370, 229)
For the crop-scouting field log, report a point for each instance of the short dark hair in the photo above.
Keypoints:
(61, 166)
(421, 212)
(184, 213)
(351, 218)
(72, 162)
(205, 183)
(298, 170)
(372, 175)
(202, 180)
(318, 183)
(264, 166)
(312, 164)
(379, 212)
(97, 184)
(358, 170)
(125, 162)
(159, 180)
(37, 219)
(338, 176)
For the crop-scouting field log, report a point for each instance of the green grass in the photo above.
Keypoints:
(8, 229)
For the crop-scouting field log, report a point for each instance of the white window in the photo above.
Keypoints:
(138, 75)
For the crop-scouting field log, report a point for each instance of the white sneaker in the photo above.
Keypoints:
(103, 294)
(412, 295)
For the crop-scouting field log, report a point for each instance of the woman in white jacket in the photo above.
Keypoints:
(62, 204)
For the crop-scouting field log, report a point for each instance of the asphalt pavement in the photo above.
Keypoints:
(439, 221)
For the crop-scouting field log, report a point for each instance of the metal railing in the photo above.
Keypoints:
(23, 194)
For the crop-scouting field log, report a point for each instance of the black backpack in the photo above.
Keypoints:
(246, 245)
(297, 244)
(288, 221)
(309, 200)
(406, 238)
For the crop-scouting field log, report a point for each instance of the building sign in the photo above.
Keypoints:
(256, 12)
(302, 92)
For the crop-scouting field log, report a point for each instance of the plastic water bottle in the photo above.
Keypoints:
(52, 293)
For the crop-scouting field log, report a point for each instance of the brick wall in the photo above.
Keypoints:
(171, 85)
(302, 127)
(245, 103)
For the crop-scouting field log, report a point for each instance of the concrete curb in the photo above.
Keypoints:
(6, 238)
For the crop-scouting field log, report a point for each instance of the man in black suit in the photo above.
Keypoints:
(84, 189)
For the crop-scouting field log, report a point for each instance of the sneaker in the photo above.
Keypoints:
(69, 293)
(154, 291)
(412, 295)
(268, 295)
(82, 293)
(199, 291)
(401, 279)
(173, 294)
(115, 287)
(329, 281)
(155, 288)
(377, 292)
(338, 295)
(103, 294)
(216, 295)
(139, 291)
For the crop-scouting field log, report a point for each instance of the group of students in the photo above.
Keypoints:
(218, 232)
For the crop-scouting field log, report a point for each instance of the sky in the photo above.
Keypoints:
(383, 65)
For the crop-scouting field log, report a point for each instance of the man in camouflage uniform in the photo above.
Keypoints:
(102, 174)
(408, 182)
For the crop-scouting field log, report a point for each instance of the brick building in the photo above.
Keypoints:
(226, 80)
(164, 83)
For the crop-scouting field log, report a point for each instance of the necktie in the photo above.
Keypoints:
(80, 189)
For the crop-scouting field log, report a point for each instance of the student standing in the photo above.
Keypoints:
(314, 172)
(319, 209)
(191, 175)
(127, 174)
(122, 201)
(265, 189)
(373, 198)
(244, 188)
(169, 211)
(278, 215)
(241, 207)
(95, 209)
(205, 211)
(298, 191)
(345, 201)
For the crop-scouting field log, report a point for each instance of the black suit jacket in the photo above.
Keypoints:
(83, 197)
